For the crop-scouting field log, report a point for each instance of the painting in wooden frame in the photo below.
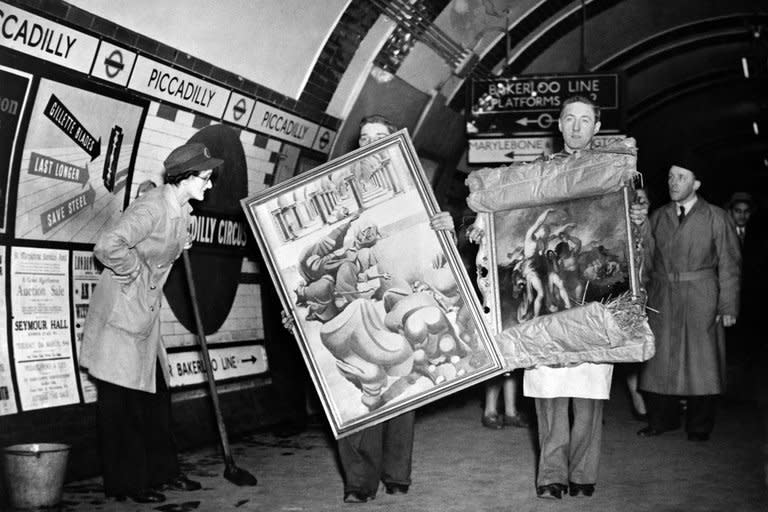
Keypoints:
(382, 308)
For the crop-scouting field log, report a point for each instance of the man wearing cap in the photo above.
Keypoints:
(695, 265)
(122, 348)
(745, 339)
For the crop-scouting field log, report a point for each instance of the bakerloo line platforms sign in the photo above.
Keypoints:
(529, 105)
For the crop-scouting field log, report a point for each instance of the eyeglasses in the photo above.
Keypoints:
(205, 179)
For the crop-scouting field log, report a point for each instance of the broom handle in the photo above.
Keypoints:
(207, 361)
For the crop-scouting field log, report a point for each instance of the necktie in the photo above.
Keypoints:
(740, 232)
(681, 215)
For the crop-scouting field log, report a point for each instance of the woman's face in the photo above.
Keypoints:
(197, 184)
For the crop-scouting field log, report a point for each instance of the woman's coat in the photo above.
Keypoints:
(121, 337)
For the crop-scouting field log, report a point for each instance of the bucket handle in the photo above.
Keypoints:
(37, 454)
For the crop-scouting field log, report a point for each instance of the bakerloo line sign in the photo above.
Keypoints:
(529, 105)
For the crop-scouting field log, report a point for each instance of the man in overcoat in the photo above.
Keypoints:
(693, 293)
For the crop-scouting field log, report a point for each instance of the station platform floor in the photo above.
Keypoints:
(459, 465)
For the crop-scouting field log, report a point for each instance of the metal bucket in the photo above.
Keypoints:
(34, 474)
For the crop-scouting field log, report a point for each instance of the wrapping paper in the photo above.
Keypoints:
(589, 333)
(590, 173)
(595, 332)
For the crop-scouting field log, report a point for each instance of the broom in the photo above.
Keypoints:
(232, 473)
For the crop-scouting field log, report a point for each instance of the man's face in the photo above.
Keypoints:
(682, 184)
(578, 126)
(371, 132)
(740, 212)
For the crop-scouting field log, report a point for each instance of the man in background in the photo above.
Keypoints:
(695, 266)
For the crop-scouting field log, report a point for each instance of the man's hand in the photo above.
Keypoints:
(441, 221)
(727, 320)
(287, 320)
(125, 279)
(638, 212)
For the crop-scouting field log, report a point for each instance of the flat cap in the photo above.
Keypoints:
(190, 157)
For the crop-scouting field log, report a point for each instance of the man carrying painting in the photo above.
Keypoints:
(570, 454)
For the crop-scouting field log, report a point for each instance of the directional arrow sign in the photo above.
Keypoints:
(63, 118)
(41, 165)
(51, 218)
(508, 150)
(530, 104)
(186, 368)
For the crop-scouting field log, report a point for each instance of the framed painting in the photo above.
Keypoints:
(383, 310)
(554, 257)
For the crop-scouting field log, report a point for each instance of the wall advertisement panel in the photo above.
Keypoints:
(76, 163)
(7, 395)
(13, 100)
(42, 348)
(85, 277)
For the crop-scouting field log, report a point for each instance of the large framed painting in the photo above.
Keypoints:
(383, 310)
(560, 261)
(554, 257)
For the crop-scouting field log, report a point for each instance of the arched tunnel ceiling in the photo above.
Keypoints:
(685, 87)
(681, 59)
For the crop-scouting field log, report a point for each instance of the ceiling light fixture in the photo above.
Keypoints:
(745, 67)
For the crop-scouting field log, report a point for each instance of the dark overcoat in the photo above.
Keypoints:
(694, 277)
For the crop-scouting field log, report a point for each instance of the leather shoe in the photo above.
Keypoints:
(585, 489)
(356, 497)
(649, 432)
(147, 496)
(698, 436)
(396, 488)
(493, 421)
(182, 483)
(518, 420)
(551, 491)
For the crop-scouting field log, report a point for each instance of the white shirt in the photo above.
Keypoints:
(587, 380)
(688, 204)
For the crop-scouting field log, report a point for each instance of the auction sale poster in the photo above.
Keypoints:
(7, 396)
(85, 276)
(42, 348)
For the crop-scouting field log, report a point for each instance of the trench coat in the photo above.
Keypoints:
(121, 337)
(694, 276)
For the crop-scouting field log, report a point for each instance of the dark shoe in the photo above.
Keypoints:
(356, 497)
(182, 483)
(698, 436)
(518, 420)
(550, 491)
(649, 432)
(493, 421)
(585, 489)
(396, 488)
(147, 496)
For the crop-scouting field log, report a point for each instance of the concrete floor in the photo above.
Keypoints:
(461, 466)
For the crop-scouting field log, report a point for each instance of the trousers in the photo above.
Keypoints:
(138, 450)
(382, 452)
(664, 412)
(569, 453)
